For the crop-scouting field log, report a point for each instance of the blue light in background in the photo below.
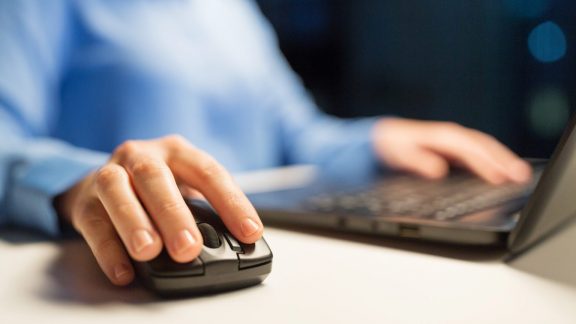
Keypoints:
(547, 42)
(527, 8)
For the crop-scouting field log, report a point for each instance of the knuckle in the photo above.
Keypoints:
(106, 246)
(88, 207)
(208, 169)
(171, 209)
(448, 130)
(95, 222)
(175, 140)
(148, 168)
(451, 126)
(486, 136)
(177, 146)
(126, 209)
(127, 148)
(87, 221)
(478, 139)
(108, 175)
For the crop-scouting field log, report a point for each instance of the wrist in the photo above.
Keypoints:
(381, 135)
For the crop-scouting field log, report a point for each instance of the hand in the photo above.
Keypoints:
(427, 149)
(133, 205)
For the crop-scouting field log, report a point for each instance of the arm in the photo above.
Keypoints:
(306, 134)
(424, 148)
(311, 136)
(130, 207)
(33, 167)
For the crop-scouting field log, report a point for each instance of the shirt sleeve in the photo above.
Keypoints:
(309, 135)
(33, 167)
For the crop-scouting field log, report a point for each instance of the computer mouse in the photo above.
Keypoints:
(224, 263)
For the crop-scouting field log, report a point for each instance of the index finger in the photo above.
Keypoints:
(518, 170)
(202, 172)
(460, 144)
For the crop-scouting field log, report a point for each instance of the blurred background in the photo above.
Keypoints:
(506, 67)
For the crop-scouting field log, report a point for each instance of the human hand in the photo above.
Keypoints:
(427, 148)
(133, 205)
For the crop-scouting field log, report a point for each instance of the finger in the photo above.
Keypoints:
(94, 225)
(126, 213)
(189, 192)
(424, 163)
(202, 172)
(520, 171)
(456, 143)
(157, 189)
(517, 169)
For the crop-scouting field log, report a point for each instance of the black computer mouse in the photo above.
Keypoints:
(224, 263)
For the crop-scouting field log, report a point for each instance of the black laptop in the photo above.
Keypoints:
(459, 209)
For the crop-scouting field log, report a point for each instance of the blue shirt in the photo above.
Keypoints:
(77, 78)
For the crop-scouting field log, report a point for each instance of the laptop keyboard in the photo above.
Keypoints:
(407, 195)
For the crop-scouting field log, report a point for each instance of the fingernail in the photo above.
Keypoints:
(184, 240)
(249, 227)
(141, 240)
(121, 271)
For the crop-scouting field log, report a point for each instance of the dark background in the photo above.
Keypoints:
(463, 61)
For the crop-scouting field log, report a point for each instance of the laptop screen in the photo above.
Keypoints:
(552, 204)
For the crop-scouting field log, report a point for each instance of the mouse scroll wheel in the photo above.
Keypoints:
(209, 235)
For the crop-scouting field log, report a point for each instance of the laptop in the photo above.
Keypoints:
(459, 209)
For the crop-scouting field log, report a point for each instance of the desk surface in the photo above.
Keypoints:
(335, 279)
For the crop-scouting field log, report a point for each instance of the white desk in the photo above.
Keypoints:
(315, 279)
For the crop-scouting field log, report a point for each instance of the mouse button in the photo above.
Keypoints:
(255, 254)
(219, 261)
(202, 215)
(202, 212)
(209, 235)
(164, 266)
(234, 244)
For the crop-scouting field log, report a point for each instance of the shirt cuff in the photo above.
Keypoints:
(35, 185)
(358, 154)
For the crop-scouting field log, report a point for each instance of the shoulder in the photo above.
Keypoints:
(18, 9)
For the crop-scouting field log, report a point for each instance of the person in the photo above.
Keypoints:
(90, 92)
